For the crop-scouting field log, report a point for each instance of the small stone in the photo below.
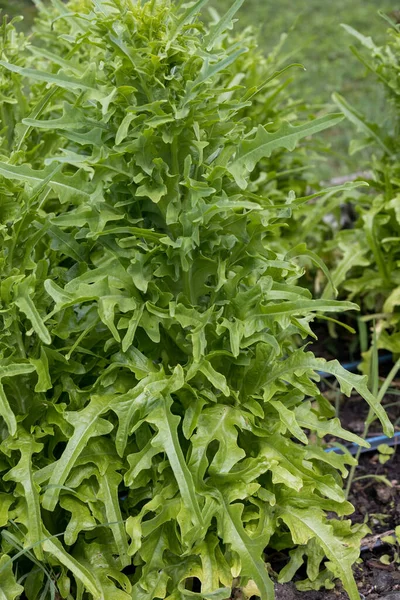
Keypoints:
(383, 582)
(384, 493)
(391, 596)
(357, 426)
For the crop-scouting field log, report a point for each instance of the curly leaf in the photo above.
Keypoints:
(9, 588)
(52, 545)
(87, 424)
(167, 440)
(11, 370)
(23, 475)
(252, 151)
(301, 362)
(305, 525)
(81, 518)
(25, 303)
(108, 494)
(250, 552)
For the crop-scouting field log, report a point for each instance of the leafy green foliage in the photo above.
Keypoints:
(155, 399)
(362, 252)
(366, 257)
(380, 219)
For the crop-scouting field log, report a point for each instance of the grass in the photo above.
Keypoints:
(316, 38)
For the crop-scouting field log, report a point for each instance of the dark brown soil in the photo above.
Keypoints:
(289, 592)
(378, 505)
(328, 347)
(354, 411)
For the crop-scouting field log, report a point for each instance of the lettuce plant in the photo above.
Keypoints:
(155, 401)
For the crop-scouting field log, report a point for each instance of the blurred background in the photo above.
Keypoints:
(316, 39)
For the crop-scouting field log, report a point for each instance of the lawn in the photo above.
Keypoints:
(316, 39)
